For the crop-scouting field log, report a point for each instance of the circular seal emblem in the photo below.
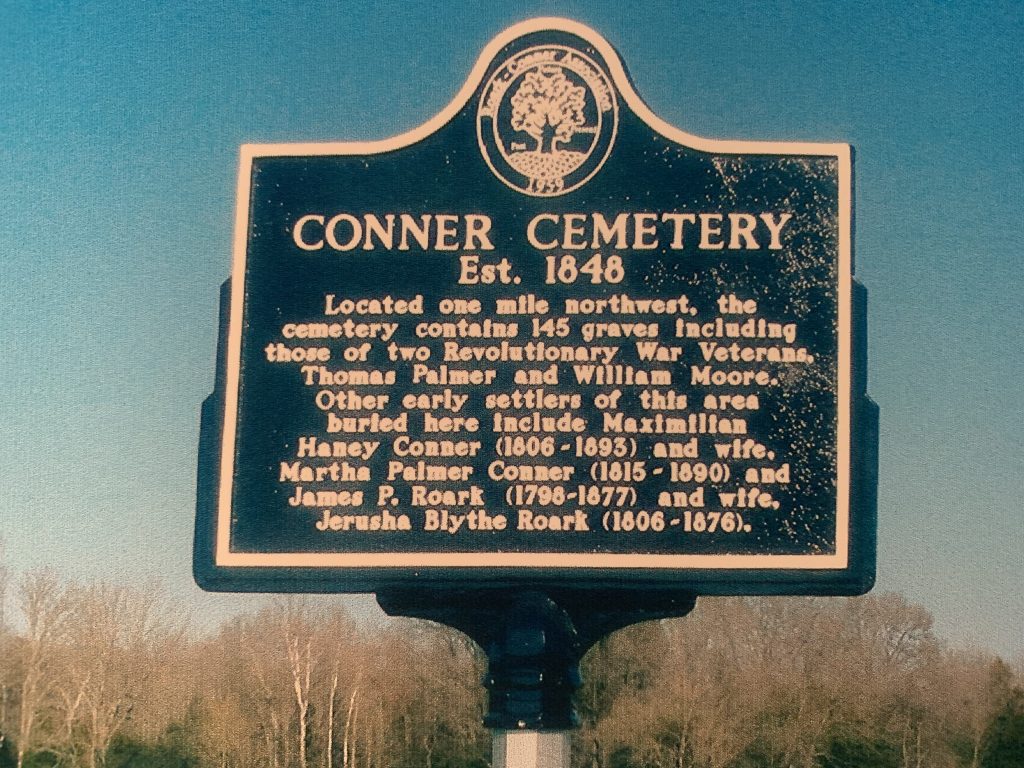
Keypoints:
(547, 120)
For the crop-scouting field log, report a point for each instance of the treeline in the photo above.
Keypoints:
(107, 676)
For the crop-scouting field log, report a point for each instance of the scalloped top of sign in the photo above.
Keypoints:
(548, 95)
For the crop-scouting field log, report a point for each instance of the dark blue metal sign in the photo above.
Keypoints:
(545, 339)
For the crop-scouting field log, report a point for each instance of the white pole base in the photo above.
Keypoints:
(530, 749)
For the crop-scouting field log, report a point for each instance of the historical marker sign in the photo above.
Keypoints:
(543, 339)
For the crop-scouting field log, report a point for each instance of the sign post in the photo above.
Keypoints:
(534, 641)
(540, 368)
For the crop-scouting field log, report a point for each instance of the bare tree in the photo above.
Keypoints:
(345, 661)
(694, 697)
(264, 682)
(44, 606)
(6, 652)
(972, 687)
(5, 576)
(299, 639)
(117, 637)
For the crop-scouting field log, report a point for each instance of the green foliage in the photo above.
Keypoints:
(757, 755)
(1004, 741)
(7, 756)
(445, 748)
(859, 751)
(621, 758)
(41, 759)
(125, 752)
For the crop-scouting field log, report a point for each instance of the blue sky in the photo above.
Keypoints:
(119, 133)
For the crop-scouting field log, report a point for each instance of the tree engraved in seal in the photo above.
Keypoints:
(547, 120)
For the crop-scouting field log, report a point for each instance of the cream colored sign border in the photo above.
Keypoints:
(225, 557)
